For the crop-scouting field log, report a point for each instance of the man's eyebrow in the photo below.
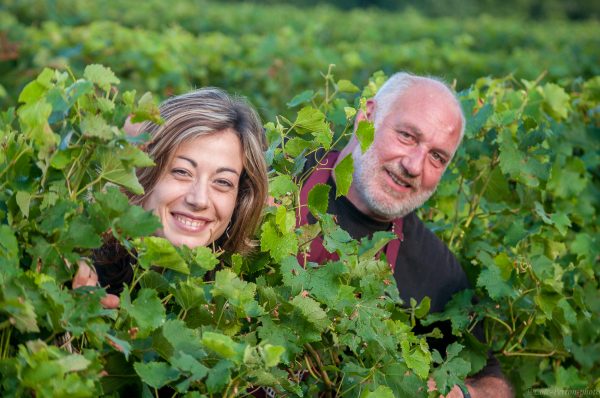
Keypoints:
(410, 127)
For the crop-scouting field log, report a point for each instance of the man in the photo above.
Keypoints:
(418, 126)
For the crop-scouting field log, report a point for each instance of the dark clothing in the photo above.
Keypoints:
(113, 266)
(424, 265)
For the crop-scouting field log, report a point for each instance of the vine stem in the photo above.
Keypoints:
(317, 358)
(500, 321)
(474, 205)
(455, 223)
(309, 367)
(13, 162)
(531, 354)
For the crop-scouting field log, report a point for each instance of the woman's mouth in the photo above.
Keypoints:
(189, 223)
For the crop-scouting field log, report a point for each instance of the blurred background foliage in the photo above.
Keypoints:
(270, 52)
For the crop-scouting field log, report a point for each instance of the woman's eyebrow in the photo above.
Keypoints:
(219, 170)
(227, 169)
(193, 162)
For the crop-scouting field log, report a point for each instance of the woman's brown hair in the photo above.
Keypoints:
(208, 111)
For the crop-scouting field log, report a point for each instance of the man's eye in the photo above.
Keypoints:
(405, 135)
(438, 158)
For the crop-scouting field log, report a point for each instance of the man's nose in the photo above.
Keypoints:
(413, 162)
(197, 195)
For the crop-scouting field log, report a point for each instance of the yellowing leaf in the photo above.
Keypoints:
(100, 75)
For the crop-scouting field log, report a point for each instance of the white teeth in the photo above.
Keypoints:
(397, 181)
(188, 222)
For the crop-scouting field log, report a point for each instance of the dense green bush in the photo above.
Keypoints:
(518, 206)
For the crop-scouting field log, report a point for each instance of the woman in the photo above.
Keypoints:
(208, 185)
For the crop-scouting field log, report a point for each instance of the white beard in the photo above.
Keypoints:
(380, 198)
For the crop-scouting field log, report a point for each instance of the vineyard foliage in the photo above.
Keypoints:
(264, 52)
(518, 205)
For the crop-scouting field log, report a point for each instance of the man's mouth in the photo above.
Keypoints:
(398, 181)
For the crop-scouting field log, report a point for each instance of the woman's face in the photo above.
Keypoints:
(196, 194)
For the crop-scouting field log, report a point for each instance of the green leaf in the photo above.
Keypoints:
(219, 376)
(491, 279)
(278, 244)
(453, 371)
(423, 308)
(562, 222)
(310, 120)
(205, 258)
(23, 200)
(476, 123)
(281, 186)
(156, 374)
(146, 110)
(557, 101)
(312, 312)
(318, 199)
(137, 222)
(365, 133)
(81, 234)
(272, 354)
(343, 176)
(34, 122)
(182, 338)
(113, 170)
(124, 346)
(147, 310)
(224, 346)
(153, 250)
(286, 220)
(21, 313)
(240, 294)
(457, 310)
(370, 247)
(189, 295)
(346, 86)
(301, 98)
(100, 75)
(417, 358)
(188, 364)
(32, 92)
(511, 160)
(73, 363)
(9, 251)
(379, 392)
(96, 126)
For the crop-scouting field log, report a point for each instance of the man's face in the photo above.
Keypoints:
(414, 142)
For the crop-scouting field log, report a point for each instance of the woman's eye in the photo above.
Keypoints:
(224, 183)
(180, 172)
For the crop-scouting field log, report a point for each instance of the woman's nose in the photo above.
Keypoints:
(197, 195)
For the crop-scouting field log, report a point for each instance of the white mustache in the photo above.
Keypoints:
(401, 171)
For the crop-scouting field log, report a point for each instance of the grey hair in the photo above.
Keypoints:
(398, 83)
